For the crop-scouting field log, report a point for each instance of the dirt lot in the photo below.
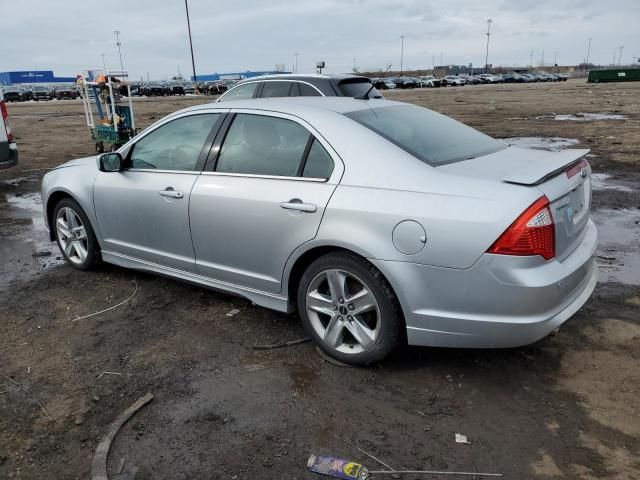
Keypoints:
(567, 407)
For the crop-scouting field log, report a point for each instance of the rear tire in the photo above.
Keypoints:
(74, 235)
(349, 309)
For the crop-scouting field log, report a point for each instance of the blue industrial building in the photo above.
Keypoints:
(234, 75)
(32, 76)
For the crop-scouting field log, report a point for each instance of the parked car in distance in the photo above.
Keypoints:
(8, 148)
(490, 78)
(375, 234)
(384, 84)
(40, 92)
(12, 94)
(189, 88)
(429, 81)
(293, 85)
(215, 87)
(153, 90)
(405, 82)
(175, 88)
(63, 91)
(453, 81)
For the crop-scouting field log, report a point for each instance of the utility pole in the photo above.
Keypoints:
(401, 54)
(486, 59)
(531, 61)
(542, 61)
(588, 52)
(118, 43)
(104, 64)
(433, 62)
(296, 65)
(441, 61)
(614, 58)
(555, 58)
(620, 55)
(193, 62)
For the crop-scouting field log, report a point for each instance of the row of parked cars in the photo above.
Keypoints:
(15, 93)
(151, 89)
(429, 81)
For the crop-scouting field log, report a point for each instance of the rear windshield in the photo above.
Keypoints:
(429, 136)
(357, 88)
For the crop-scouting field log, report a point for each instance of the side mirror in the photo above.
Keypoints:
(110, 162)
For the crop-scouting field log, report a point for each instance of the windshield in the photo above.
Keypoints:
(429, 136)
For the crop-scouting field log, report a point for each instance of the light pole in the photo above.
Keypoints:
(588, 52)
(193, 62)
(118, 44)
(531, 61)
(104, 64)
(542, 61)
(555, 58)
(486, 58)
(401, 54)
(296, 67)
(620, 55)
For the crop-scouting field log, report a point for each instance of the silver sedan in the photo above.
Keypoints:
(380, 222)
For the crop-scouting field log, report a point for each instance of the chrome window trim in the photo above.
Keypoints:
(153, 170)
(267, 177)
(271, 80)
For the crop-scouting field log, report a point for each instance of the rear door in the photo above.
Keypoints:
(261, 196)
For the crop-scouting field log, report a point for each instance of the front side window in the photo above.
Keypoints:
(276, 89)
(262, 145)
(240, 92)
(175, 145)
(429, 136)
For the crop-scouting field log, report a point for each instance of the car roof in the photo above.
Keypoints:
(300, 76)
(299, 105)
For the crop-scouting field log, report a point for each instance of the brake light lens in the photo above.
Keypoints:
(533, 233)
(5, 121)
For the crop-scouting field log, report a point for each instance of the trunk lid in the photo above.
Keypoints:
(564, 177)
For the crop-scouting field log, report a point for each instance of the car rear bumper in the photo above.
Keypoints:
(501, 301)
(8, 155)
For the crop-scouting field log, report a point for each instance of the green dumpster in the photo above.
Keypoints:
(614, 75)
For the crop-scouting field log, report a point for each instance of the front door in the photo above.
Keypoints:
(143, 211)
(264, 198)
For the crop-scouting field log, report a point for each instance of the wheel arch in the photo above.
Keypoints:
(307, 257)
(52, 200)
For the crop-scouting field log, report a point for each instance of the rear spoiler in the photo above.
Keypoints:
(546, 167)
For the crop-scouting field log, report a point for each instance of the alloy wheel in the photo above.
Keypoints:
(72, 235)
(343, 311)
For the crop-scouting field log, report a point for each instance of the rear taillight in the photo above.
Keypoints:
(533, 233)
(5, 121)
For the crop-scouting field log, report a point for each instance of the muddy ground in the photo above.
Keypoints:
(567, 407)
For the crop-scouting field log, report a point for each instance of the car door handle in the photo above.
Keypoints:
(170, 192)
(296, 204)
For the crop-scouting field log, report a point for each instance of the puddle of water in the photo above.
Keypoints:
(541, 143)
(588, 117)
(618, 245)
(23, 235)
(600, 181)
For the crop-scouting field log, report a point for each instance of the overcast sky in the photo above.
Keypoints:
(244, 35)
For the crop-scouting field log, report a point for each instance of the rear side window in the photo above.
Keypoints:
(308, 91)
(276, 89)
(319, 164)
(262, 145)
(429, 136)
(240, 92)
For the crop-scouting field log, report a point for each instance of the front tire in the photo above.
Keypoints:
(74, 235)
(349, 309)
